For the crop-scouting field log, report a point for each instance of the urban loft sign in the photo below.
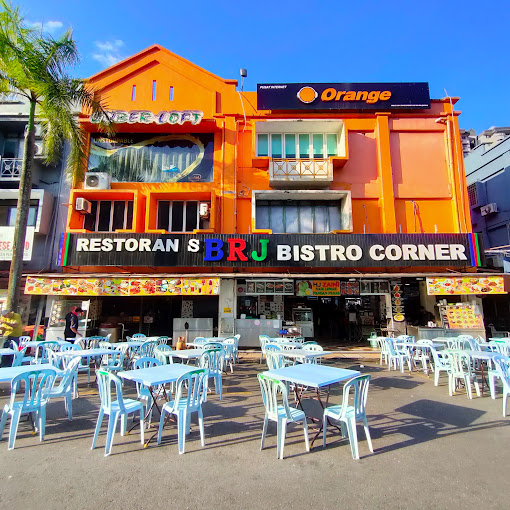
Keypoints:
(147, 117)
(277, 250)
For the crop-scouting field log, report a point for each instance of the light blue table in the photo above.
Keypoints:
(9, 373)
(7, 352)
(86, 353)
(303, 354)
(34, 343)
(314, 376)
(184, 354)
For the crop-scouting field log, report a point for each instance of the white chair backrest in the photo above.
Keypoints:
(273, 390)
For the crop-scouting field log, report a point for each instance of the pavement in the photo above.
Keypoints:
(431, 451)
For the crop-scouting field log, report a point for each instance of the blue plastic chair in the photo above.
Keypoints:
(272, 390)
(113, 362)
(212, 359)
(229, 345)
(139, 335)
(32, 385)
(191, 392)
(348, 413)
(65, 388)
(115, 407)
(273, 360)
(396, 356)
(263, 339)
(19, 357)
(147, 349)
(163, 340)
(160, 356)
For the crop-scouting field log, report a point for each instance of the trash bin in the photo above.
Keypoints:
(107, 329)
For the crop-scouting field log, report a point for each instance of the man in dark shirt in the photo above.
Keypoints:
(72, 323)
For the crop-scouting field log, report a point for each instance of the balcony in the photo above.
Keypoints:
(10, 169)
(300, 173)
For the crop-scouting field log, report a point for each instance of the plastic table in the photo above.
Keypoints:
(314, 376)
(9, 373)
(7, 352)
(34, 343)
(86, 353)
(183, 354)
(152, 378)
(303, 355)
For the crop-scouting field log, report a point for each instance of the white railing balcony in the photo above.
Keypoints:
(10, 169)
(300, 173)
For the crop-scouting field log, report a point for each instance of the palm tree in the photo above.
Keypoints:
(34, 65)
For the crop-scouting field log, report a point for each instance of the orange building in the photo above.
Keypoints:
(252, 209)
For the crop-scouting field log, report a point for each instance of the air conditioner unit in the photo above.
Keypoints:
(97, 180)
(204, 209)
(83, 205)
(489, 209)
(39, 149)
(38, 130)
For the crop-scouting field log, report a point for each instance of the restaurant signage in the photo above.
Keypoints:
(147, 117)
(7, 243)
(277, 250)
(342, 96)
(465, 285)
(318, 288)
(112, 286)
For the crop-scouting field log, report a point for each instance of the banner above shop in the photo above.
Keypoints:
(7, 243)
(276, 250)
(113, 286)
(465, 285)
(342, 96)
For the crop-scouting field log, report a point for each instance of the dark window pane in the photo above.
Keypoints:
(129, 216)
(90, 219)
(103, 224)
(119, 208)
(177, 215)
(163, 214)
(191, 216)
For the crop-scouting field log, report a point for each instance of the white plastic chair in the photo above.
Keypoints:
(190, 394)
(313, 348)
(229, 345)
(263, 339)
(397, 357)
(460, 368)
(441, 363)
(348, 414)
(212, 359)
(280, 413)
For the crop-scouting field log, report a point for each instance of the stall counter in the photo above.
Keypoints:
(250, 329)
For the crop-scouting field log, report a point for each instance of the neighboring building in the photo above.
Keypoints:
(468, 138)
(46, 218)
(239, 211)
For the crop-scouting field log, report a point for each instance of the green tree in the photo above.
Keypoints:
(35, 65)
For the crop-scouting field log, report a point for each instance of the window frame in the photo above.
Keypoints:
(184, 216)
(112, 208)
(297, 135)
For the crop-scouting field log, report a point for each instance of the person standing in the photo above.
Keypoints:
(11, 329)
(72, 318)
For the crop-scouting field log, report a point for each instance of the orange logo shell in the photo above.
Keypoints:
(307, 94)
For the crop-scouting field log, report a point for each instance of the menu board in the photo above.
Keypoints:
(270, 287)
(317, 287)
(465, 285)
(397, 301)
(465, 316)
(122, 286)
(349, 288)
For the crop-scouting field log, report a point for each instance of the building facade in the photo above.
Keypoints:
(340, 208)
(47, 216)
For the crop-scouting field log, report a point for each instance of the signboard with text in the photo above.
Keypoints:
(7, 241)
(342, 96)
(276, 250)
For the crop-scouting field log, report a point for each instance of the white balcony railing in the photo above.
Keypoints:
(297, 173)
(10, 169)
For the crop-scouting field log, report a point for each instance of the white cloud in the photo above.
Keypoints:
(108, 52)
(51, 26)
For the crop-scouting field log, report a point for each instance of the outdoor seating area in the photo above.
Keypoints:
(154, 391)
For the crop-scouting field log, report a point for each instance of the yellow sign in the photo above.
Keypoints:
(442, 286)
(122, 286)
(318, 288)
(227, 310)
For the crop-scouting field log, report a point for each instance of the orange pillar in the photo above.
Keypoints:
(387, 199)
(228, 176)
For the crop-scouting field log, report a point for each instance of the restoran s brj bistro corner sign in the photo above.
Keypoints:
(277, 250)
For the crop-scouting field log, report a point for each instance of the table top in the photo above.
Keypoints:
(303, 353)
(416, 344)
(482, 354)
(7, 351)
(154, 376)
(315, 376)
(8, 374)
(34, 343)
(184, 353)
(86, 353)
(131, 343)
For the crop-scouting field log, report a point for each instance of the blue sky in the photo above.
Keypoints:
(460, 46)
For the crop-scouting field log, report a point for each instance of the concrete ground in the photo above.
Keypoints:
(431, 451)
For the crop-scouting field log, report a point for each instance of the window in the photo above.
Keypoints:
(303, 145)
(9, 211)
(109, 216)
(181, 216)
(299, 216)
